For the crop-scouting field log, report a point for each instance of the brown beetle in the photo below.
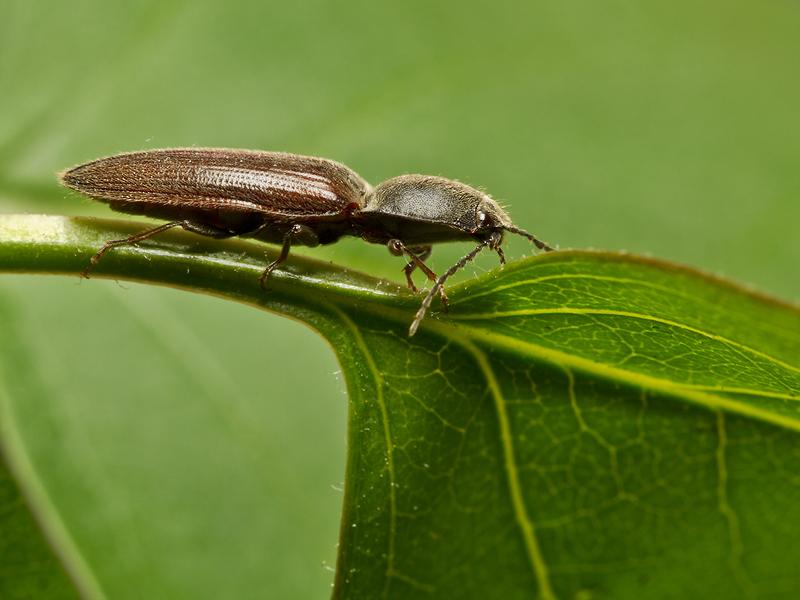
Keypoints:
(291, 199)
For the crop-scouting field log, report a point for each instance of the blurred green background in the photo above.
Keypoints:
(195, 448)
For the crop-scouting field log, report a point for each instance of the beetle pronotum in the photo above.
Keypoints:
(290, 199)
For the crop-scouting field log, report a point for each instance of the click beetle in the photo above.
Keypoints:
(290, 199)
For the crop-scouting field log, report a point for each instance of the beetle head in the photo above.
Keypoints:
(491, 221)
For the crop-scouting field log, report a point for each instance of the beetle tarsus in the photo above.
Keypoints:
(444, 299)
(408, 269)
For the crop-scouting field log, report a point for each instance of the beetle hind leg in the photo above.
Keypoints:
(201, 229)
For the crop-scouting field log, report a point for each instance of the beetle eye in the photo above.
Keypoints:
(481, 216)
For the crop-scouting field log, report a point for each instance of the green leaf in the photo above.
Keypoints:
(669, 128)
(580, 424)
(30, 568)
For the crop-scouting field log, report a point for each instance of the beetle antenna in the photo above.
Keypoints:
(438, 285)
(539, 243)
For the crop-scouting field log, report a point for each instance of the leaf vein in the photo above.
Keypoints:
(632, 315)
(586, 365)
(782, 331)
(728, 514)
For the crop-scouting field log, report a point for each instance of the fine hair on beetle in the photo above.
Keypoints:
(289, 199)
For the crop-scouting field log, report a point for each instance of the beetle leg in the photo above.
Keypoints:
(501, 254)
(398, 248)
(422, 253)
(206, 230)
(426, 302)
(295, 232)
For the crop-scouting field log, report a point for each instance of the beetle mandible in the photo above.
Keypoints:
(291, 199)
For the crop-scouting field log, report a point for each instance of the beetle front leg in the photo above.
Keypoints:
(417, 256)
(501, 254)
(295, 233)
(422, 253)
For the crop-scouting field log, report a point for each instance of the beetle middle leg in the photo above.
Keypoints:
(199, 228)
(296, 233)
(417, 256)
